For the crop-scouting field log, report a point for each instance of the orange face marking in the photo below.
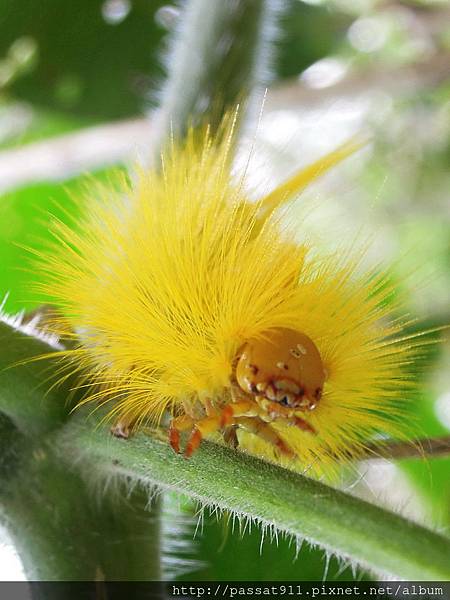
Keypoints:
(284, 367)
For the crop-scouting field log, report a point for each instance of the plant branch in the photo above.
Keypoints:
(64, 531)
(427, 447)
(219, 56)
(24, 384)
(61, 529)
(230, 480)
(62, 157)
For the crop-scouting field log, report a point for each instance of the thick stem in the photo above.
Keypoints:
(219, 55)
(65, 531)
(371, 536)
(63, 528)
(25, 396)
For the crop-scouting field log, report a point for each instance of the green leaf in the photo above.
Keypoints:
(24, 223)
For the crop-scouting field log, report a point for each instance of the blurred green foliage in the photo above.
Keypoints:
(93, 58)
(24, 215)
(23, 221)
(101, 59)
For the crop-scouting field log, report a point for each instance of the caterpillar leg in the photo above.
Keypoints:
(280, 413)
(263, 430)
(241, 413)
(302, 424)
(216, 420)
(201, 428)
(239, 408)
(177, 425)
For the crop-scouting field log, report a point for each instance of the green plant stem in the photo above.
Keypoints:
(47, 513)
(25, 396)
(62, 529)
(11, 442)
(385, 543)
(65, 531)
(220, 54)
(122, 538)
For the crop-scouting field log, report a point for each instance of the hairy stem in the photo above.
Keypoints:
(64, 527)
(65, 531)
(45, 475)
(25, 394)
(372, 537)
(219, 55)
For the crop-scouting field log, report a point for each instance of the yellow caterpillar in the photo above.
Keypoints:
(187, 298)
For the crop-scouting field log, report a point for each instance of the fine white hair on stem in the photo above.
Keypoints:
(30, 325)
(207, 46)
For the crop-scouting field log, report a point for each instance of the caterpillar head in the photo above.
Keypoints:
(285, 366)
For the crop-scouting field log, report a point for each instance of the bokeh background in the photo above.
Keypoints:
(78, 81)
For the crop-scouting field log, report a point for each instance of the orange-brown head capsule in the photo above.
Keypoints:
(285, 367)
